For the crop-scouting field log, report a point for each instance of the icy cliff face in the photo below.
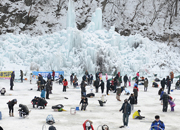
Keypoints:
(93, 49)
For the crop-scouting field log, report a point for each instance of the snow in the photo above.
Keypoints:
(148, 103)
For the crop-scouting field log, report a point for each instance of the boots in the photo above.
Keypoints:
(10, 114)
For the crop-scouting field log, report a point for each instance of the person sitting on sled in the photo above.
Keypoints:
(24, 111)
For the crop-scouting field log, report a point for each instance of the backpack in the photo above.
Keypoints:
(50, 120)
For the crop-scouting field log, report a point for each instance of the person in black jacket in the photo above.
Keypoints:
(11, 107)
(125, 79)
(21, 74)
(169, 85)
(84, 102)
(96, 85)
(24, 111)
(165, 99)
(35, 101)
(48, 88)
(132, 101)
(41, 102)
(83, 88)
(102, 86)
(126, 110)
(163, 83)
(108, 87)
(12, 80)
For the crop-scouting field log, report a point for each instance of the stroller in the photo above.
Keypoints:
(58, 107)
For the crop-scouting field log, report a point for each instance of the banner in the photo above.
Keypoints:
(44, 74)
(5, 74)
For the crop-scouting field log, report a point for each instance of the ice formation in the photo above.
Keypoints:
(93, 49)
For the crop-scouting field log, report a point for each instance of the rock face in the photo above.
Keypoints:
(36, 17)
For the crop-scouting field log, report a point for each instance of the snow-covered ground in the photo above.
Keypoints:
(148, 103)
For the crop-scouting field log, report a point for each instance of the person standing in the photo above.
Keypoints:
(165, 99)
(163, 82)
(30, 77)
(53, 74)
(172, 76)
(129, 81)
(65, 83)
(126, 110)
(137, 74)
(102, 86)
(157, 124)
(83, 88)
(131, 98)
(169, 85)
(71, 79)
(135, 90)
(11, 107)
(21, 74)
(145, 84)
(125, 80)
(96, 84)
(108, 87)
(48, 88)
(43, 92)
(12, 80)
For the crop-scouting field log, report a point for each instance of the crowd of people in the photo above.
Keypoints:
(114, 85)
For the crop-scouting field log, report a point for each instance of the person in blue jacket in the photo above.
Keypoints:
(43, 92)
(157, 124)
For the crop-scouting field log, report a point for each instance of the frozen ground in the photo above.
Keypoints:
(148, 103)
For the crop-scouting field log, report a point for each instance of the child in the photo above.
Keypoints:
(132, 101)
(129, 81)
(3, 91)
(172, 104)
(84, 102)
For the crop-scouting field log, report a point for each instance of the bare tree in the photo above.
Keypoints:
(136, 10)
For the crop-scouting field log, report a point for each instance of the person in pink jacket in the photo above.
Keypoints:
(106, 77)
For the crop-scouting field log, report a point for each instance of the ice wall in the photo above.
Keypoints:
(93, 49)
(70, 22)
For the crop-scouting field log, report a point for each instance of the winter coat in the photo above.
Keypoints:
(135, 90)
(65, 83)
(136, 113)
(169, 83)
(84, 125)
(125, 78)
(163, 82)
(131, 99)
(24, 108)
(157, 123)
(96, 83)
(12, 76)
(172, 75)
(40, 78)
(137, 74)
(43, 92)
(48, 86)
(83, 86)
(84, 101)
(49, 76)
(106, 77)
(21, 73)
(3, 91)
(53, 73)
(146, 83)
(128, 108)
(11, 103)
(165, 97)
(172, 104)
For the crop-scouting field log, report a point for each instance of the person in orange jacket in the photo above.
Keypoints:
(65, 83)
(87, 125)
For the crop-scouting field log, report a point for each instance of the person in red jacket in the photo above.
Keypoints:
(137, 74)
(65, 83)
(53, 74)
(87, 125)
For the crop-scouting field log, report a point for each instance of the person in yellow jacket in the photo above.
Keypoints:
(137, 115)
